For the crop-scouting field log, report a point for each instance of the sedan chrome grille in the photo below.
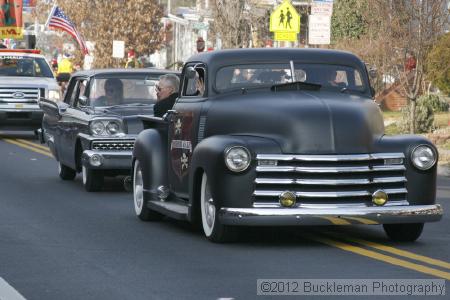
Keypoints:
(19, 95)
(330, 179)
(113, 145)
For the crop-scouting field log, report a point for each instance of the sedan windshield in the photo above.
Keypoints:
(123, 90)
(329, 77)
(24, 66)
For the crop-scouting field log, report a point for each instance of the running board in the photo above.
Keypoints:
(175, 210)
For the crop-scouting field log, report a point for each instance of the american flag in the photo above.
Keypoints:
(59, 20)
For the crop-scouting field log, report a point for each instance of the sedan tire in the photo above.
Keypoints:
(92, 179)
(403, 232)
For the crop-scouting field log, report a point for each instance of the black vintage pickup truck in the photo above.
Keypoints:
(275, 137)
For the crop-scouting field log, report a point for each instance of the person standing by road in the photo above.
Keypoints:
(132, 61)
(166, 93)
(65, 69)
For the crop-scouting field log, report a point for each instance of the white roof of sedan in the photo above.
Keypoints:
(21, 53)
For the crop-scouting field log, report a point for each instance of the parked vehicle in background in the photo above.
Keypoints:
(93, 130)
(281, 137)
(25, 76)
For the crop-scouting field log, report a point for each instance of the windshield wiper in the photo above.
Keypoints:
(296, 85)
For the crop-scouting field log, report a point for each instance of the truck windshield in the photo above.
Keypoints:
(118, 90)
(24, 66)
(330, 77)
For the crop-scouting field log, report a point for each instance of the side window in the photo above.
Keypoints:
(195, 87)
(82, 90)
(70, 91)
(74, 94)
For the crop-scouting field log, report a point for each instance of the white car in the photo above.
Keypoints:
(25, 77)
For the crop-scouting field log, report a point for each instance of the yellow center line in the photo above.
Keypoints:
(11, 141)
(337, 221)
(399, 252)
(362, 220)
(33, 144)
(378, 256)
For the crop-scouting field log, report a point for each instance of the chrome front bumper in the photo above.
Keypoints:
(330, 216)
(110, 160)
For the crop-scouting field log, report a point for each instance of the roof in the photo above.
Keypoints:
(11, 53)
(124, 71)
(242, 56)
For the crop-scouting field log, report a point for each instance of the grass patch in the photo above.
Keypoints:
(441, 120)
(392, 129)
(392, 114)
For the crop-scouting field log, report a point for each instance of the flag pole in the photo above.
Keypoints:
(50, 15)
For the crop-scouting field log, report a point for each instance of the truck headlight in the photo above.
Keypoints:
(423, 157)
(237, 158)
(54, 95)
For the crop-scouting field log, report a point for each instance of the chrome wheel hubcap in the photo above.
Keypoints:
(138, 189)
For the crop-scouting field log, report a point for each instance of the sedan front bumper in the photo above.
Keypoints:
(330, 216)
(109, 160)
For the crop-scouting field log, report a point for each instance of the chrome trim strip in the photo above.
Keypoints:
(326, 157)
(328, 194)
(330, 169)
(333, 182)
(328, 205)
(310, 216)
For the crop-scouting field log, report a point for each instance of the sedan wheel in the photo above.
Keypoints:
(214, 230)
(66, 173)
(92, 179)
(403, 232)
(140, 203)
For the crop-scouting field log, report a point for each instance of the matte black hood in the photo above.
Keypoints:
(300, 121)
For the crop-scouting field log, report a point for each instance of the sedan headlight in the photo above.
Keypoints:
(106, 127)
(423, 157)
(113, 128)
(237, 158)
(54, 95)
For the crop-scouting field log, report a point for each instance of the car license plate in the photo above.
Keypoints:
(19, 105)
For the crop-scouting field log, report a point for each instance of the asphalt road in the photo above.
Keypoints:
(59, 242)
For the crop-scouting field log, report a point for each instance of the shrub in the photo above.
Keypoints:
(435, 102)
(424, 117)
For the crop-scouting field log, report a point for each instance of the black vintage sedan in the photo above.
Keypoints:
(273, 137)
(93, 130)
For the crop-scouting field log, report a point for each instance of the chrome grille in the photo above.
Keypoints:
(330, 179)
(19, 95)
(126, 145)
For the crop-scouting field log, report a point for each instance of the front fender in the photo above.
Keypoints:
(150, 148)
(421, 185)
(227, 188)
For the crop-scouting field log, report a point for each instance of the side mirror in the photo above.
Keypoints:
(190, 72)
(83, 100)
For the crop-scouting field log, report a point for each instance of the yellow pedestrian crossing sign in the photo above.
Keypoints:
(285, 22)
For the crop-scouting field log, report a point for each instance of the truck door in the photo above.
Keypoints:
(184, 128)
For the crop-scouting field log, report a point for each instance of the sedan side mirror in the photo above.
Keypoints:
(83, 100)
